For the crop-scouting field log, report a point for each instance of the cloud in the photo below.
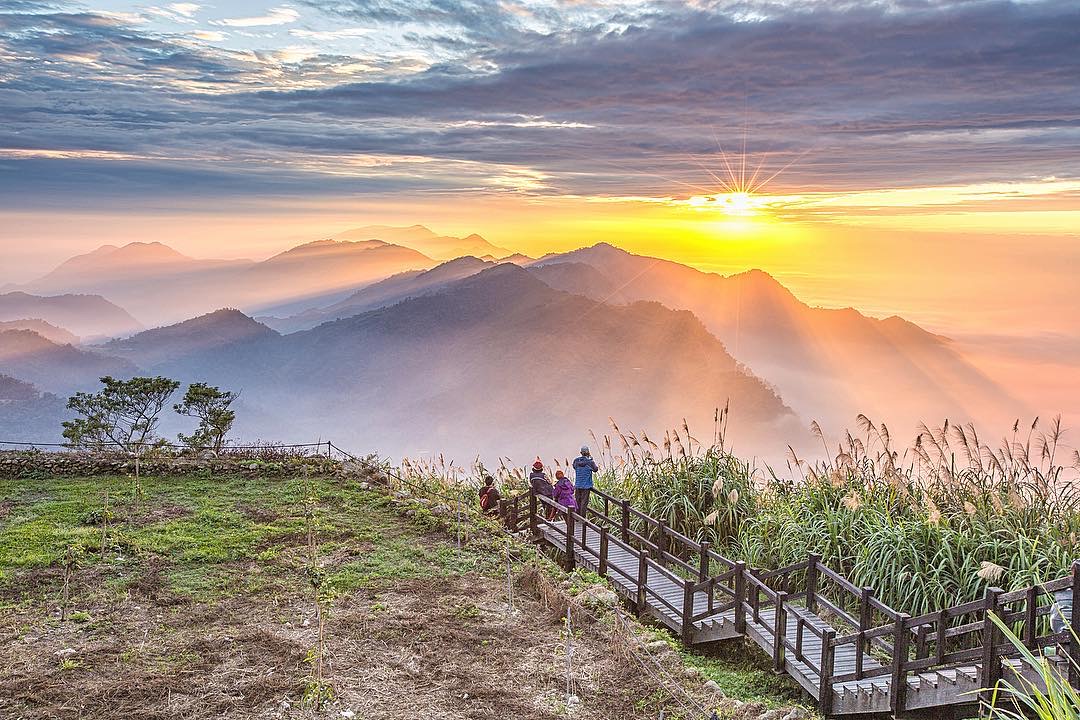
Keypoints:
(596, 99)
(275, 16)
(339, 34)
(185, 9)
(208, 35)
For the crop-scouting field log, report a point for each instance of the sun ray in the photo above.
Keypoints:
(723, 156)
(753, 178)
(794, 160)
(714, 176)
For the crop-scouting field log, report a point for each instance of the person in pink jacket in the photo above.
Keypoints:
(564, 491)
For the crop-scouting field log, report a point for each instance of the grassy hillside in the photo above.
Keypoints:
(203, 603)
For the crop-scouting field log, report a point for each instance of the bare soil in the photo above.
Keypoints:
(432, 647)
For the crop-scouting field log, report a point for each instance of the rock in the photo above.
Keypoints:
(66, 652)
(691, 672)
(658, 646)
(363, 486)
(775, 714)
(253, 466)
(797, 714)
(713, 687)
(598, 596)
(749, 711)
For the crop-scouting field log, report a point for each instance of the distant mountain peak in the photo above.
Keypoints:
(152, 251)
(331, 244)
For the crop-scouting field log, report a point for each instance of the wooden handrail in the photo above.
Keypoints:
(689, 565)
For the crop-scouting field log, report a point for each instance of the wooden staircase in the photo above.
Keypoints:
(853, 654)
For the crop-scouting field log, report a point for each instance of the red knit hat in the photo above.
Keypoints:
(538, 465)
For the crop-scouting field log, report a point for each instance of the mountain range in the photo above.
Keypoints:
(367, 337)
(490, 361)
(167, 286)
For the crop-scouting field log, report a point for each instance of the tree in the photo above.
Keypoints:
(124, 414)
(211, 405)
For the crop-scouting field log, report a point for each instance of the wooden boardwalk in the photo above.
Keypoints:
(854, 655)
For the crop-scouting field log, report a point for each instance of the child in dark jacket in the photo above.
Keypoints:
(541, 486)
(538, 480)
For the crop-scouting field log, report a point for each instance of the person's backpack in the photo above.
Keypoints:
(485, 499)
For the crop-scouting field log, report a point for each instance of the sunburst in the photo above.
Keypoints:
(741, 181)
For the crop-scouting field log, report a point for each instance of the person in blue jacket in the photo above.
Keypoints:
(584, 467)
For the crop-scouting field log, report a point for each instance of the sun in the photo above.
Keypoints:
(740, 180)
(738, 204)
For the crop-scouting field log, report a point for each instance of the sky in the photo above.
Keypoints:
(919, 157)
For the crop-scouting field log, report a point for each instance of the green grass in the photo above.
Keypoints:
(211, 538)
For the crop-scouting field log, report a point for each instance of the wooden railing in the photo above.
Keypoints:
(823, 604)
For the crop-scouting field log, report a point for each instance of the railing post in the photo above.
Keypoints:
(624, 521)
(942, 628)
(779, 631)
(921, 647)
(812, 582)
(901, 641)
(503, 512)
(569, 541)
(703, 563)
(603, 551)
(740, 597)
(661, 545)
(687, 613)
(1074, 626)
(828, 657)
(534, 530)
(866, 618)
(991, 668)
(642, 580)
(1031, 604)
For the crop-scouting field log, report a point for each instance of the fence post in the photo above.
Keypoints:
(812, 581)
(922, 649)
(991, 668)
(1074, 626)
(901, 641)
(642, 580)
(866, 618)
(740, 597)
(624, 522)
(687, 612)
(603, 551)
(661, 545)
(828, 658)
(939, 638)
(779, 631)
(1031, 604)
(533, 529)
(569, 541)
(703, 563)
